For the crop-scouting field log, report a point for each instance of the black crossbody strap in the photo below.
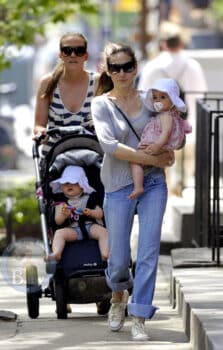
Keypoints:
(126, 119)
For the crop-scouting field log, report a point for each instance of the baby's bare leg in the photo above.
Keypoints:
(61, 236)
(100, 233)
(138, 177)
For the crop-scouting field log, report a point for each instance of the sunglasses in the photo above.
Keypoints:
(127, 67)
(78, 50)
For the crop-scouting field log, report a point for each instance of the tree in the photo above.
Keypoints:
(217, 9)
(22, 20)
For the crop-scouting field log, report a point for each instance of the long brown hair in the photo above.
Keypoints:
(59, 68)
(105, 83)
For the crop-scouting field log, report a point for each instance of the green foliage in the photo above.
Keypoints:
(217, 9)
(22, 20)
(24, 205)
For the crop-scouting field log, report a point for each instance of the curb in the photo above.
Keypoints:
(197, 294)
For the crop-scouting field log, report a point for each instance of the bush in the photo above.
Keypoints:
(25, 213)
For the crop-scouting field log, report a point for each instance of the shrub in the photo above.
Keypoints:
(25, 214)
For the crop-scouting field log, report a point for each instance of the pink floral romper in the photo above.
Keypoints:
(152, 130)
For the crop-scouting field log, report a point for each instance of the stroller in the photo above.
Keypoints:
(79, 277)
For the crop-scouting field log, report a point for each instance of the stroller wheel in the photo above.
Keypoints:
(33, 291)
(103, 307)
(61, 304)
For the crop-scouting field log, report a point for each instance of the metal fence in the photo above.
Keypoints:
(209, 175)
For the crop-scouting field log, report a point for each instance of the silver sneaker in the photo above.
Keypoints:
(138, 329)
(116, 317)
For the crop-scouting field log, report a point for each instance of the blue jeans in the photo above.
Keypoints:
(119, 214)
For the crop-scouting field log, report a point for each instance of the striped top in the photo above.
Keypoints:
(60, 116)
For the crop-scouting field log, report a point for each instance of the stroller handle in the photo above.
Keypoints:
(67, 130)
(60, 131)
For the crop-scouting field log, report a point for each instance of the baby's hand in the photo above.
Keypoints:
(96, 213)
(65, 210)
(87, 212)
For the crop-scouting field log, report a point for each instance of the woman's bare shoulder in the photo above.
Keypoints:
(44, 81)
(43, 84)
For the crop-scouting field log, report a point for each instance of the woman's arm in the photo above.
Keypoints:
(105, 130)
(42, 108)
(140, 156)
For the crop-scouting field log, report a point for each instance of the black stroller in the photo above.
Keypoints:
(79, 278)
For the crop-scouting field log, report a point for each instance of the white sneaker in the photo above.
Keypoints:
(116, 317)
(138, 329)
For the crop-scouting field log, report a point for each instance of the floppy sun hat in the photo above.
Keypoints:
(72, 174)
(171, 88)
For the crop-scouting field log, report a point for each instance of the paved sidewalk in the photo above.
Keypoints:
(197, 294)
(84, 329)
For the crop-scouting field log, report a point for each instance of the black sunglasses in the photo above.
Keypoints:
(78, 50)
(127, 67)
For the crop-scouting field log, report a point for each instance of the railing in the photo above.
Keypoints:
(209, 175)
(202, 96)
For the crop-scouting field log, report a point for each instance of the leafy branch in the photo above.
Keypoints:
(22, 20)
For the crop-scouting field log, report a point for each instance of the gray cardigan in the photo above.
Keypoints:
(111, 129)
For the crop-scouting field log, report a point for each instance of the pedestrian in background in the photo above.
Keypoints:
(119, 116)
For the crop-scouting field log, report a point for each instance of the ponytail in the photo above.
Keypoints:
(54, 80)
(105, 84)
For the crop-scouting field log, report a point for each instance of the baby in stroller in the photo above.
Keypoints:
(74, 261)
(77, 212)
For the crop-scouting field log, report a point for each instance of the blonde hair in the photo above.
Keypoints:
(105, 83)
(59, 68)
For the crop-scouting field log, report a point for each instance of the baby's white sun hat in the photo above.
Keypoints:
(170, 87)
(72, 174)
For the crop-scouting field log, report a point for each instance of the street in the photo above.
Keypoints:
(84, 329)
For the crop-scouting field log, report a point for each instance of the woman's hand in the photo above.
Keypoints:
(163, 159)
(153, 148)
(167, 158)
(38, 131)
(141, 156)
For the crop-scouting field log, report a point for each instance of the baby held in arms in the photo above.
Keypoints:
(166, 129)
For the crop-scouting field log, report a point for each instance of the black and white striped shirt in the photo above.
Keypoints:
(59, 115)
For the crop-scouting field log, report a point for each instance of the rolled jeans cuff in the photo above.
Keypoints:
(141, 310)
(116, 287)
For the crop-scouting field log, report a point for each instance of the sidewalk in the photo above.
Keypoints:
(197, 294)
(84, 329)
(196, 281)
(189, 293)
